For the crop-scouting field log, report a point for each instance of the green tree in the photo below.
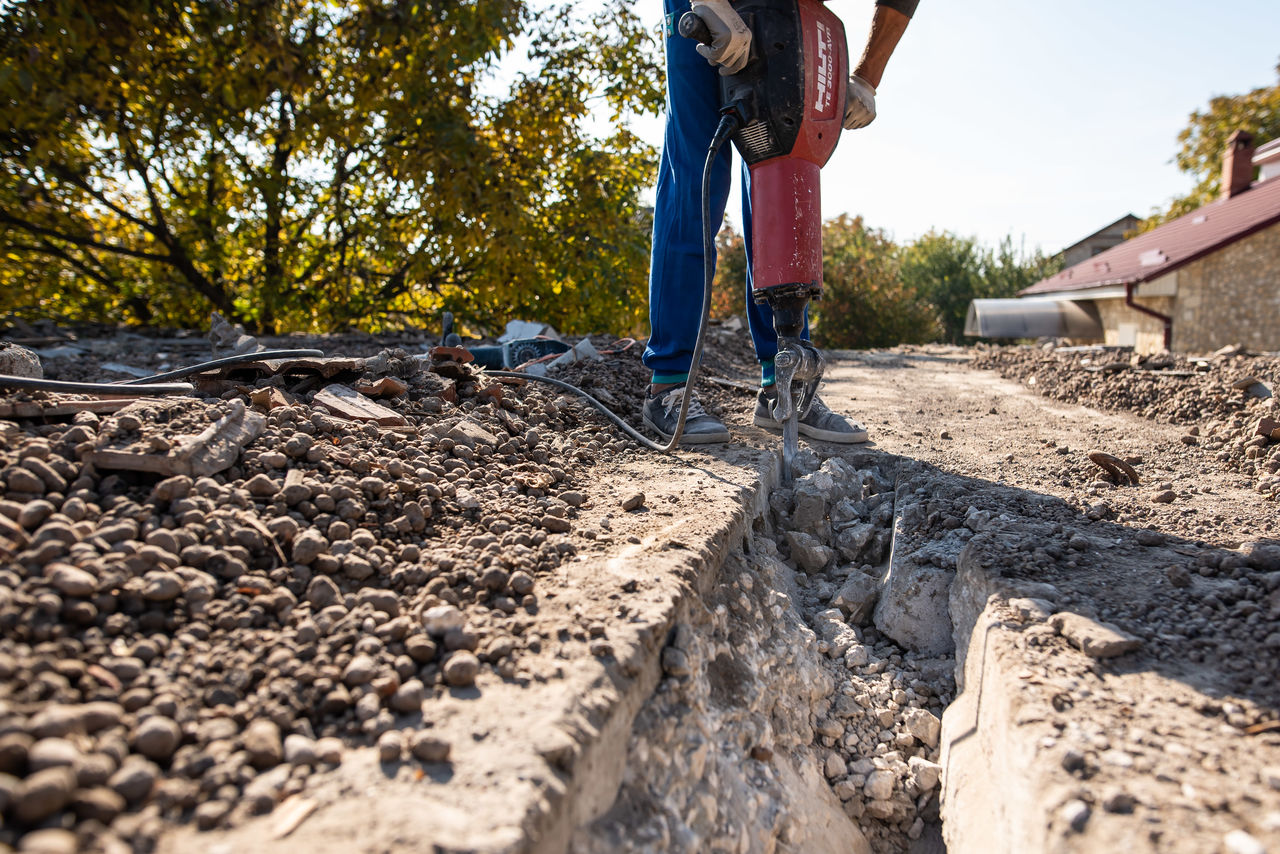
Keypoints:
(865, 302)
(298, 164)
(947, 272)
(1204, 139)
(1006, 270)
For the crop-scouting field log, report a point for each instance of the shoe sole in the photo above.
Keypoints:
(857, 437)
(689, 438)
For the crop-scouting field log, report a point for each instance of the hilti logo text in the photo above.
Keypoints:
(826, 60)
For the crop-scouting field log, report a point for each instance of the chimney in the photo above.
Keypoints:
(1237, 164)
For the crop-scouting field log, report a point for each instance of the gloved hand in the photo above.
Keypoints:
(730, 47)
(860, 110)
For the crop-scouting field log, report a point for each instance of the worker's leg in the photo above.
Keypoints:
(675, 274)
(676, 281)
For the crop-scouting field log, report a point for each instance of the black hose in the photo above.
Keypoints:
(7, 381)
(728, 124)
(154, 384)
(222, 363)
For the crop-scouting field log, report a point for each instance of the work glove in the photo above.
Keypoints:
(730, 46)
(860, 109)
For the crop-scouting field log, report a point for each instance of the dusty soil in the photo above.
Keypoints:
(329, 613)
(1174, 746)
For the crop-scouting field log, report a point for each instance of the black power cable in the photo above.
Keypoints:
(222, 363)
(155, 384)
(7, 381)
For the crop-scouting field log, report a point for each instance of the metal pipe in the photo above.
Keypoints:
(1167, 320)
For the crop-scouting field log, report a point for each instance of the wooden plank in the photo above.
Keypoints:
(214, 449)
(348, 403)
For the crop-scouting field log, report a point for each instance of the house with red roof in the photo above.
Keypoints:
(1194, 284)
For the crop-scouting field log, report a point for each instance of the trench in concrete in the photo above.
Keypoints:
(786, 716)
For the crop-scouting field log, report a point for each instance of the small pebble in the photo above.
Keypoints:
(390, 747)
(461, 669)
(427, 747)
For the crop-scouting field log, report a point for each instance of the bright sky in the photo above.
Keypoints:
(1040, 120)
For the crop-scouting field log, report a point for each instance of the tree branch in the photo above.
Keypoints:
(76, 239)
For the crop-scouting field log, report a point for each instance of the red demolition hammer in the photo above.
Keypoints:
(788, 102)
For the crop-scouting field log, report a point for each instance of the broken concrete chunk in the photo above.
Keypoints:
(348, 403)
(1094, 639)
(924, 725)
(808, 551)
(19, 362)
(852, 541)
(813, 495)
(914, 608)
(228, 338)
(471, 434)
(857, 598)
(925, 773)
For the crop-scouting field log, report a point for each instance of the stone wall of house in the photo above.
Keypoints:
(1124, 327)
(1231, 297)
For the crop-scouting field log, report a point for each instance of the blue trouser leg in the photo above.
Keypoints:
(675, 274)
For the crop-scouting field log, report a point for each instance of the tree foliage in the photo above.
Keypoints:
(865, 301)
(880, 294)
(949, 272)
(299, 164)
(1204, 139)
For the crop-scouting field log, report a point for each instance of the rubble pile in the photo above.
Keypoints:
(879, 727)
(782, 686)
(1226, 401)
(190, 644)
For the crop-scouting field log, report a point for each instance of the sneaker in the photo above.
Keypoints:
(821, 423)
(662, 410)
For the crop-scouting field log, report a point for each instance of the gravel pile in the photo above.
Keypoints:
(192, 648)
(187, 647)
(1226, 401)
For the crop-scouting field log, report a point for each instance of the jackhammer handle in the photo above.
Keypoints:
(691, 26)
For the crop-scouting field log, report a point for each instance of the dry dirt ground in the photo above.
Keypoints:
(363, 636)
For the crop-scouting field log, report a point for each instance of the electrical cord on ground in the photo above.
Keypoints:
(728, 124)
(152, 385)
(222, 363)
(7, 381)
